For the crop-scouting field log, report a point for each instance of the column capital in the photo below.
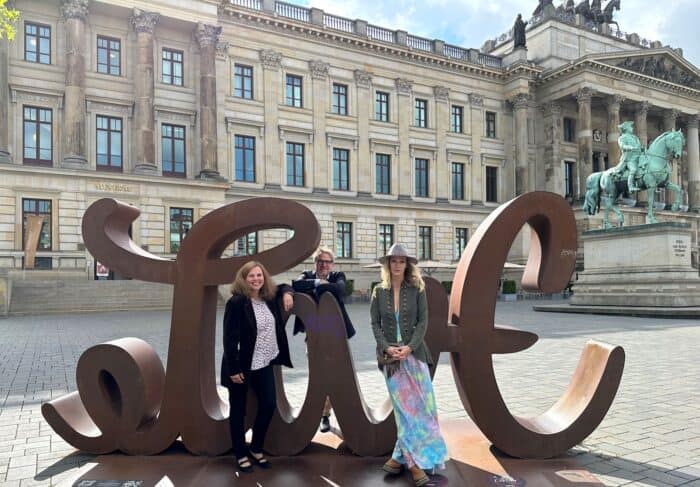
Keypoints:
(613, 102)
(442, 93)
(271, 59)
(74, 9)
(476, 100)
(222, 49)
(144, 21)
(584, 95)
(642, 107)
(319, 69)
(404, 86)
(363, 78)
(207, 35)
(692, 121)
(521, 100)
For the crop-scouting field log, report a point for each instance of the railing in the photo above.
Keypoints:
(339, 23)
(419, 43)
(455, 52)
(292, 11)
(251, 4)
(380, 33)
(488, 60)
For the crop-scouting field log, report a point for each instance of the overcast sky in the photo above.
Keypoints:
(468, 23)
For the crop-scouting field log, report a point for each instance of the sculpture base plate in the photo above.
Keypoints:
(640, 311)
(326, 462)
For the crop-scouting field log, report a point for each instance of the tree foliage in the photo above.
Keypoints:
(8, 18)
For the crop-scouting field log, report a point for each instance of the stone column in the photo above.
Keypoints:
(365, 105)
(585, 139)
(144, 24)
(273, 166)
(640, 122)
(207, 36)
(693, 164)
(4, 100)
(522, 176)
(75, 13)
(439, 122)
(553, 175)
(318, 167)
(477, 131)
(613, 103)
(404, 89)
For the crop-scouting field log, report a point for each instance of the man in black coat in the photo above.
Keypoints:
(314, 283)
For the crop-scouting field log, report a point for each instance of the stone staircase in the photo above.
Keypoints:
(33, 296)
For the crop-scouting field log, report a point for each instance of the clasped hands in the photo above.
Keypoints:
(399, 353)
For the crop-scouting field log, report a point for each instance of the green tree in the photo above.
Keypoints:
(8, 17)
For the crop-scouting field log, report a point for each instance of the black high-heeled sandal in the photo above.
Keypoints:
(244, 464)
(261, 461)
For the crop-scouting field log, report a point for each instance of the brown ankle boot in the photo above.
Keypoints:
(392, 466)
(419, 476)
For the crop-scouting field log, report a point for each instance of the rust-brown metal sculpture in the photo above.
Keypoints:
(32, 233)
(126, 401)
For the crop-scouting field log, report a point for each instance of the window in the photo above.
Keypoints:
(109, 143)
(343, 240)
(341, 171)
(492, 184)
(173, 150)
(461, 237)
(569, 127)
(247, 245)
(243, 81)
(295, 164)
(456, 119)
(38, 207)
(38, 140)
(172, 67)
(386, 238)
(109, 59)
(422, 178)
(491, 125)
(339, 104)
(425, 243)
(180, 224)
(457, 181)
(245, 158)
(568, 179)
(383, 173)
(381, 107)
(37, 43)
(421, 113)
(294, 92)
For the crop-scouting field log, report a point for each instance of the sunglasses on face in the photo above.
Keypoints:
(325, 262)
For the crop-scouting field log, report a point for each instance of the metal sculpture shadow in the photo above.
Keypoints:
(126, 401)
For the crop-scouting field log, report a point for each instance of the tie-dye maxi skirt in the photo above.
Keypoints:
(419, 441)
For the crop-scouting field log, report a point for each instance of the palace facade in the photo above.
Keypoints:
(178, 107)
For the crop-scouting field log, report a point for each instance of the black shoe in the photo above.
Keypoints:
(244, 464)
(260, 460)
(325, 424)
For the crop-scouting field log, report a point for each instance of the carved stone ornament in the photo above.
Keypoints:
(144, 21)
(319, 69)
(271, 59)
(442, 93)
(404, 86)
(552, 108)
(642, 108)
(614, 102)
(363, 78)
(222, 49)
(521, 100)
(74, 9)
(661, 68)
(207, 35)
(584, 95)
(476, 100)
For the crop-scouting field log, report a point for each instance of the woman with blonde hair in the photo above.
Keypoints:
(399, 313)
(254, 341)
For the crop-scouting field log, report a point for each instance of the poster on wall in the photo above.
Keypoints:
(101, 271)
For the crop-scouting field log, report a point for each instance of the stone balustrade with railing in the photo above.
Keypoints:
(374, 32)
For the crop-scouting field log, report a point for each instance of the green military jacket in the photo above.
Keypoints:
(413, 315)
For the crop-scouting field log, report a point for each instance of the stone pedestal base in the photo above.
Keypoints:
(519, 54)
(146, 169)
(210, 175)
(638, 266)
(75, 162)
(5, 157)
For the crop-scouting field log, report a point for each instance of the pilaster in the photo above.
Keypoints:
(476, 103)
(207, 36)
(585, 137)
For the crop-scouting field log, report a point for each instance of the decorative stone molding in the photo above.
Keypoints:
(670, 116)
(331, 139)
(458, 153)
(207, 35)
(222, 49)
(584, 95)
(74, 9)
(413, 148)
(642, 108)
(166, 115)
(552, 108)
(53, 100)
(404, 86)
(613, 102)
(102, 107)
(271, 59)
(373, 143)
(442, 93)
(476, 100)
(303, 135)
(233, 122)
(521, 100)
(363, 79)
(144, 21)
(319, 69)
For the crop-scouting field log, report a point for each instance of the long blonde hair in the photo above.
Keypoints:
(411, 275)
(240, 286)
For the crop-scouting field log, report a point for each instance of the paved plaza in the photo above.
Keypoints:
(651, 436)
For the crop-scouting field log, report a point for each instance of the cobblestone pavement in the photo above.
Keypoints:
(651, 436)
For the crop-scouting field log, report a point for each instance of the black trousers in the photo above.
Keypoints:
(262, 381)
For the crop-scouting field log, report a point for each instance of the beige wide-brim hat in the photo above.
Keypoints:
(398, 250)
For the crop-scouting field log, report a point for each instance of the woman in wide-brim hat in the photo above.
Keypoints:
(399, 312)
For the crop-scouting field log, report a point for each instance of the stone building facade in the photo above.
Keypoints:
(181, 106)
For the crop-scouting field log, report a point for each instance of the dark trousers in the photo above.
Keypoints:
(262, 382)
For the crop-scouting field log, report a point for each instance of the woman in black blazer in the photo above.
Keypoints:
(254, 341)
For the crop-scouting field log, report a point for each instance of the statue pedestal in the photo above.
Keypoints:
(638, 266)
